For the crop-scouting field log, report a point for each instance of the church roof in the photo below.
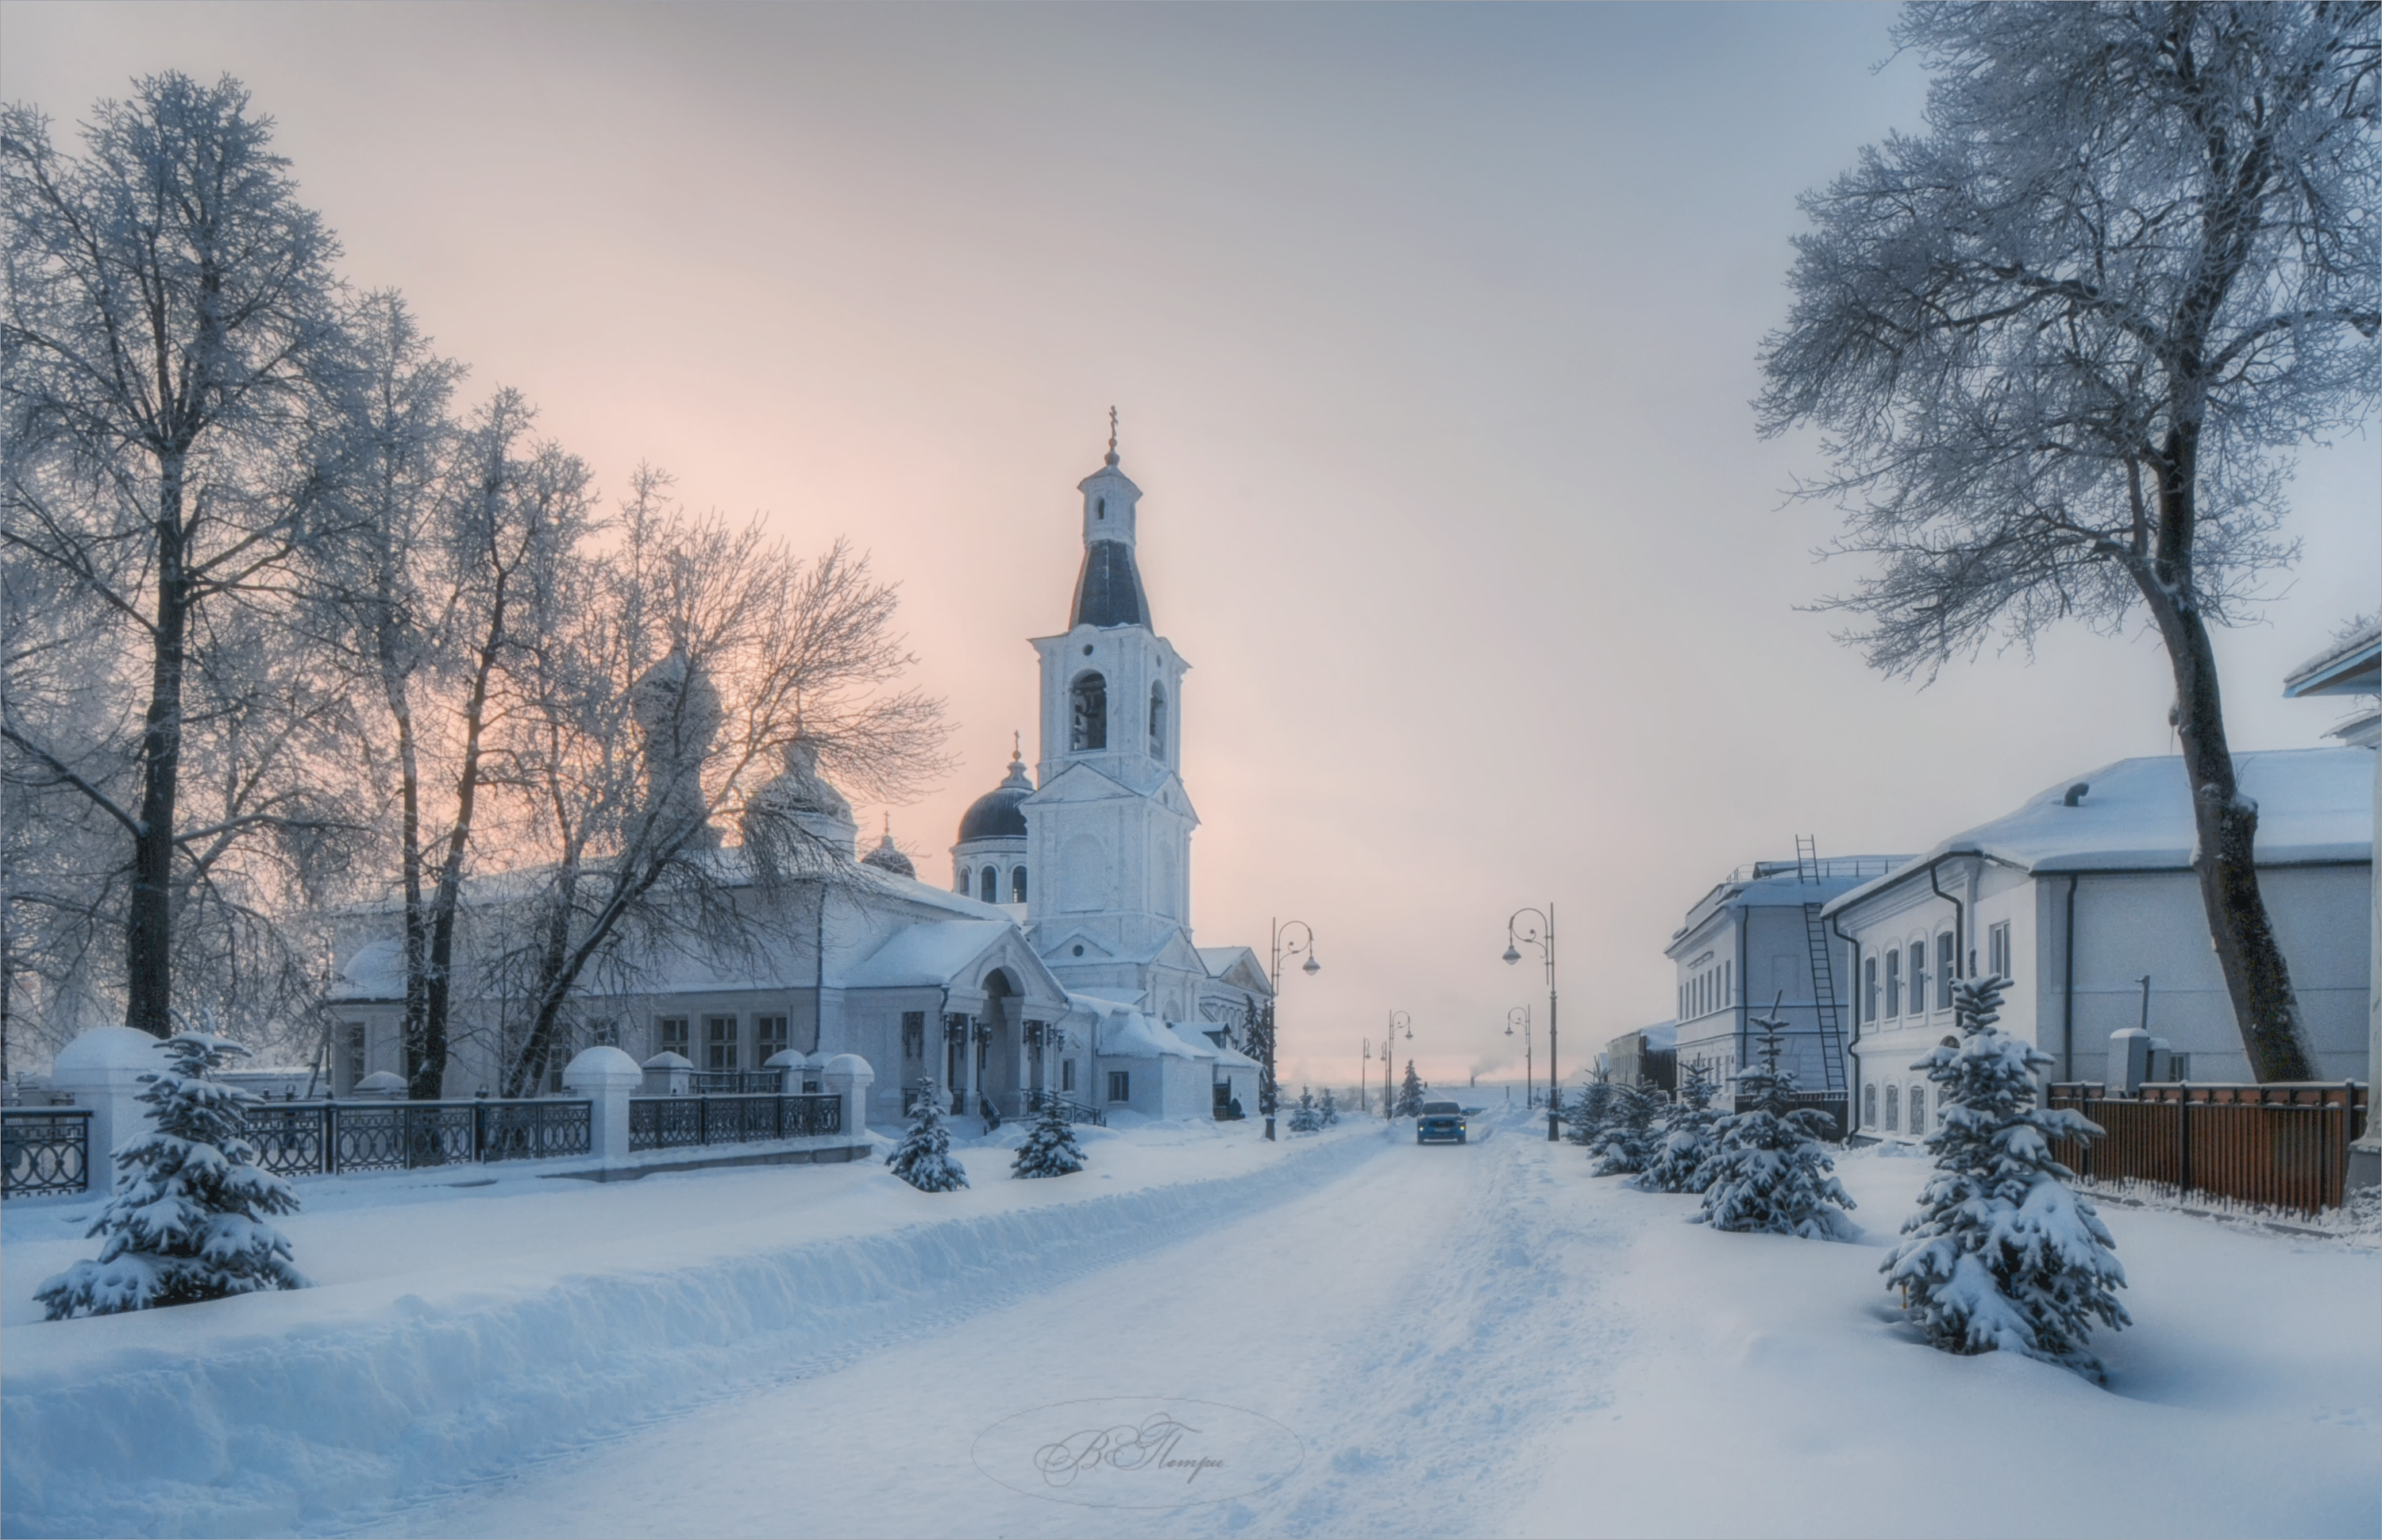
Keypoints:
(999, 813)
(1108, 589)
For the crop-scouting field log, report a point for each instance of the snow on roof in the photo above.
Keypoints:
(376, 972)
(2313, 805)
(1130, 1035)
(1192, 1038)
(2350, 665)
(1229, 1058)
(931, 953)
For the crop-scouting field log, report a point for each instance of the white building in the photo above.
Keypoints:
(1062, 961)
(2086, 891)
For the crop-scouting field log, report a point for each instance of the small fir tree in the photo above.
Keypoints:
(1050, 1149)
(189, 1218)
(924, 1157)
(1306, 1116)
(1685, 1145)
(1410, 1093)
(1330, 1107)
(2003, 1255)
(1769, 1174)
(1626, 1143)
(1585, 1116)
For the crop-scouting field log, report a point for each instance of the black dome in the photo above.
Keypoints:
(999, 813)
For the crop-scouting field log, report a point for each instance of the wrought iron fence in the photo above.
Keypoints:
(2286, 1146)
(1030, 1102)
(45, 1150)
(676, 1122)
(307, 1139)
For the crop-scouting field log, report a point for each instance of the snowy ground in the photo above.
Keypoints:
(1461, 1340)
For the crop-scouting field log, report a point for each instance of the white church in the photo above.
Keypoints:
(1061, 960)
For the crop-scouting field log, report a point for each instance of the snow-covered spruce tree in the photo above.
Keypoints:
(1050, 1149)
(1306, 1116)
(189, 1220)
(924, 1157)
(1410, 1093)
(1585, 1116)
(1626, 1143)
(1329, 1107)
(1769, 1174)
(1685, 1145)
(2002, 1254)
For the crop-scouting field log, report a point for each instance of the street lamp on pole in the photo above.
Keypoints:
(1284, 950)
(1541, 935)
(1389, 1098)
(1529, 1079)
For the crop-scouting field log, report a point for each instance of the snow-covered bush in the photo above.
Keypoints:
(1050, 1149)
(1685, 1145)
(187, 1218)
(1769, 1174)
(1584, 1116)
(1329, 1108)
(1306, 1116)
(1626, 1142)
(1410, 1093)
(2002, 1253)
(924, 1157)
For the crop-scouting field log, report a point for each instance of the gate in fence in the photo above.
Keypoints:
(2286, 1146)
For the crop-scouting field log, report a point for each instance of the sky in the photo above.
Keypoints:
(1432, 330)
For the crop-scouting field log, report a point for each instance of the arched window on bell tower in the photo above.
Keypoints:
(1157, 722)
(1088, 713)
(988, 886)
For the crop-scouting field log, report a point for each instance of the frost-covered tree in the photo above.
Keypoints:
(190, 1219)
(1685, 1144)
(2064, 345)
(924, 1157)
(1630, 1139)
(1585, 1114)
(1329, 1109)
(1305, 1116)
(1050, 1149)
(1768, 1173)
(1410, 1093)
(2003, 1255)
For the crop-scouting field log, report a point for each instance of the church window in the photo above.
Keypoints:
(1088, 726)
(1893, 993)
(988, 886)
(914, 1034)
(1100, 509)
(1918, 978)
(1157, 723)
(1947, 967)
(1997, 951)
(1120, 1085)
(720, 1042)
(769, 1039)
(1919, 1109)
(962, 884)
(1017, 885)
(1869, 1105)
(1066, 1074)
(1893, 1109)
(1869, 989)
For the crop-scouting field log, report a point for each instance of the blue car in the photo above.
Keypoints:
(1440, 1123)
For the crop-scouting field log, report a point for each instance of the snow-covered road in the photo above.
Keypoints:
(1420, 1323)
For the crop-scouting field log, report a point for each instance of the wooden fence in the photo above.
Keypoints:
(2286, 1146)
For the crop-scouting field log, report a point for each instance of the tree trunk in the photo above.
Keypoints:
(425, 1050)
(2226, 826)
(149, 924)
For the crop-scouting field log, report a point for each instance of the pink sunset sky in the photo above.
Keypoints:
(1432, 331)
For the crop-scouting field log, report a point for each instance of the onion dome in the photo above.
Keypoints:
(999, 814)
(887, 856)
(800, 794)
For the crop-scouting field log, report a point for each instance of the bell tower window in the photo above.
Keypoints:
(1088, 715)
(1017, 885)
(1157, 723)
(988, 886)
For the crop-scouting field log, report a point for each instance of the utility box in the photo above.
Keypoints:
(2130, 1060)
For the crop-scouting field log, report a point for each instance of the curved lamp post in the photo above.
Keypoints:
(1389, 1097)
(1522, 1014)
(1541, 935)
(1284, 950)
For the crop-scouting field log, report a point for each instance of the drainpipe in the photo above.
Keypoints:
(2068, 988)
(1960, 910)
(1852, 1095)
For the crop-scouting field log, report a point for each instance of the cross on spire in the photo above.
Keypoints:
(1113, 435)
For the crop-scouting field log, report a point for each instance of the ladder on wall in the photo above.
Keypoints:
(1823, 972)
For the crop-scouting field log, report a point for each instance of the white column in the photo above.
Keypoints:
(848, 1077)
(608, 1078)
(102, 1069)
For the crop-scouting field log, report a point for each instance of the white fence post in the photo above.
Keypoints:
(102, 1069)
(848, 1077)
(607, 1077)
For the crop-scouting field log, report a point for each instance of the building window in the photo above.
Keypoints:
(1869, 989)
(1729, 983)
(1893, 995)
(1869, 1107)
(1089, 715)
(914, 1035)
(603, 1032)
(1997, 951)
(1017, 885)
(769, 1039)
(1918, 978)
(987, 886)
(672, 1038)
(1919, 1109)
(1947, 968)
(720, 1042)
(356, 1067)
(960, 883)
(1893, 1109)
(1120, 1085)
(1066, 1074)
(1157, 723)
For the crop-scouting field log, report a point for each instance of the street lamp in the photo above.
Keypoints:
(1267, 1094)
(1542, 937)
(1530, 1096)
(1389, 1098)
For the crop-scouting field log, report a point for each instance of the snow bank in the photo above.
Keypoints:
(270, 1414)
